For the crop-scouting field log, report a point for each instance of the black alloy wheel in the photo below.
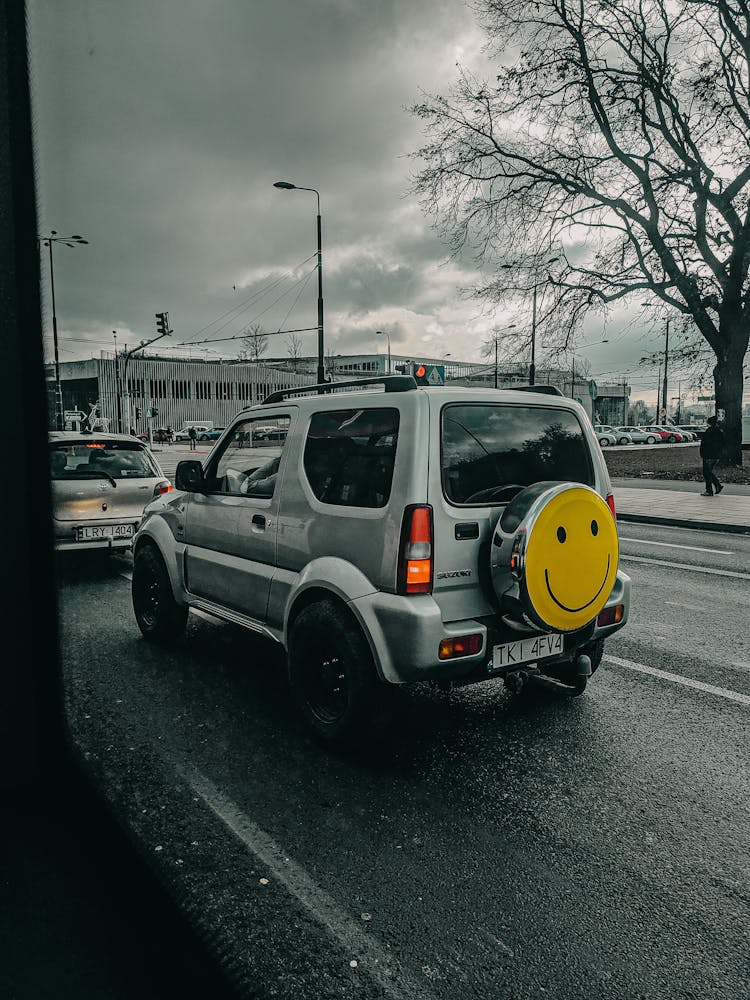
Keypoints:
(160, 618)
(332, 676)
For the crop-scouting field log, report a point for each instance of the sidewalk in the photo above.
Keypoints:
(681, 504)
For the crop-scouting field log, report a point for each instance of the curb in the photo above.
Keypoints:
(677, 522)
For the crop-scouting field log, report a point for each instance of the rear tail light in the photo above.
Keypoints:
(161, 488)
(611, 504)
(415, 555)
(611, 616)
(461, 645)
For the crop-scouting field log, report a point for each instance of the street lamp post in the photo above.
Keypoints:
(287, 186)
(47, 241)
(666, 362)
(535, 272)
(382, 333)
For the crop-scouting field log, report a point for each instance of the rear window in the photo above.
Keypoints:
(491, 451)
(93, 459)
(349, 456)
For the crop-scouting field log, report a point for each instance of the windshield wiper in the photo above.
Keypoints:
(98, 472)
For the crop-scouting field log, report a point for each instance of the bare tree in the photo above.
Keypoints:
(254, 344)
(294, 350)
(616, 136)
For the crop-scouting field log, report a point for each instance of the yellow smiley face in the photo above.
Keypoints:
(571, 559)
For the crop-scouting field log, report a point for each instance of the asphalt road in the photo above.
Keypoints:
(488, 845)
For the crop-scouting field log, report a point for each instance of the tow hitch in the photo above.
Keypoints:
(516, 680)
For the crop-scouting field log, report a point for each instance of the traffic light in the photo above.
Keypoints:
(162, 323)
(405, 369)
(420, 374)
(137, 413)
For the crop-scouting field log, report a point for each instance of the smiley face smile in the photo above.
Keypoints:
(588, 603)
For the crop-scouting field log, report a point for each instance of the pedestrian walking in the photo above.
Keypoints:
(170, 434)
(712, 448)
(192, 434)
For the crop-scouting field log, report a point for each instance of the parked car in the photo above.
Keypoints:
(100, 485)
(394, 536)
(183, 434)
(638, 436)
(689, 431)
(618, 434)
(670, 434)
(269, 433)
(212, 435)
(160, 435)
(606, 437)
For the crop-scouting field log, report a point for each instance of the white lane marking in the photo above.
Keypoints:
(693, 569)
(674, 545)
(665, 675)
(371, 956)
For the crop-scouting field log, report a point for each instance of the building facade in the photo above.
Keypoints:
(200, 390)
(178, 390)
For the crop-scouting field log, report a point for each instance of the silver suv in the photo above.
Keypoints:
(385, 533)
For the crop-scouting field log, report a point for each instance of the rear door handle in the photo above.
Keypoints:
(259, 521)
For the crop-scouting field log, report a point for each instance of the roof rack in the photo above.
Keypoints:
(547, 390)
(391, 383)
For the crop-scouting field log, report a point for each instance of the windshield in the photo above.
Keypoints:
(115, 459)
(492, 451)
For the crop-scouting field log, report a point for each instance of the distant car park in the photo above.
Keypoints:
(637, 435)
(668, 434)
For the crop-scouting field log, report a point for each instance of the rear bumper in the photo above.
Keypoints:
(405, 633)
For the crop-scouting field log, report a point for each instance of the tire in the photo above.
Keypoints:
(160, 618)
(203, 437)
(332, 676)
(650, 439)
(672, 439)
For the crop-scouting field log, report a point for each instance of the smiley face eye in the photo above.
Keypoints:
(594, 528)
(561, 535)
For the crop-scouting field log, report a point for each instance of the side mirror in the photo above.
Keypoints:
(189, 476)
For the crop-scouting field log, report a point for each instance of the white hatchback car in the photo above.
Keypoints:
(100, 485)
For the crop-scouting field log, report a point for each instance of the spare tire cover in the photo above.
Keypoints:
(555, 554)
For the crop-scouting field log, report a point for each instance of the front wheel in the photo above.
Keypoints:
(332, 675)
(160, 618)
(650, 439)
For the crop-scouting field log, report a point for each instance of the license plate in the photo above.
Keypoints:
(91, 532)
(527, 650)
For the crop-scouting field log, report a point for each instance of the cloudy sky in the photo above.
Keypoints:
(160, 128)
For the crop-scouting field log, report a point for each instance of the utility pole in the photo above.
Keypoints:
(532, 363)
(118, 388)
(162, 325)
(666, 362)
(658, 390)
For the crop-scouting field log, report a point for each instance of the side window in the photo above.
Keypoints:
(349, 456)
(248, 464)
